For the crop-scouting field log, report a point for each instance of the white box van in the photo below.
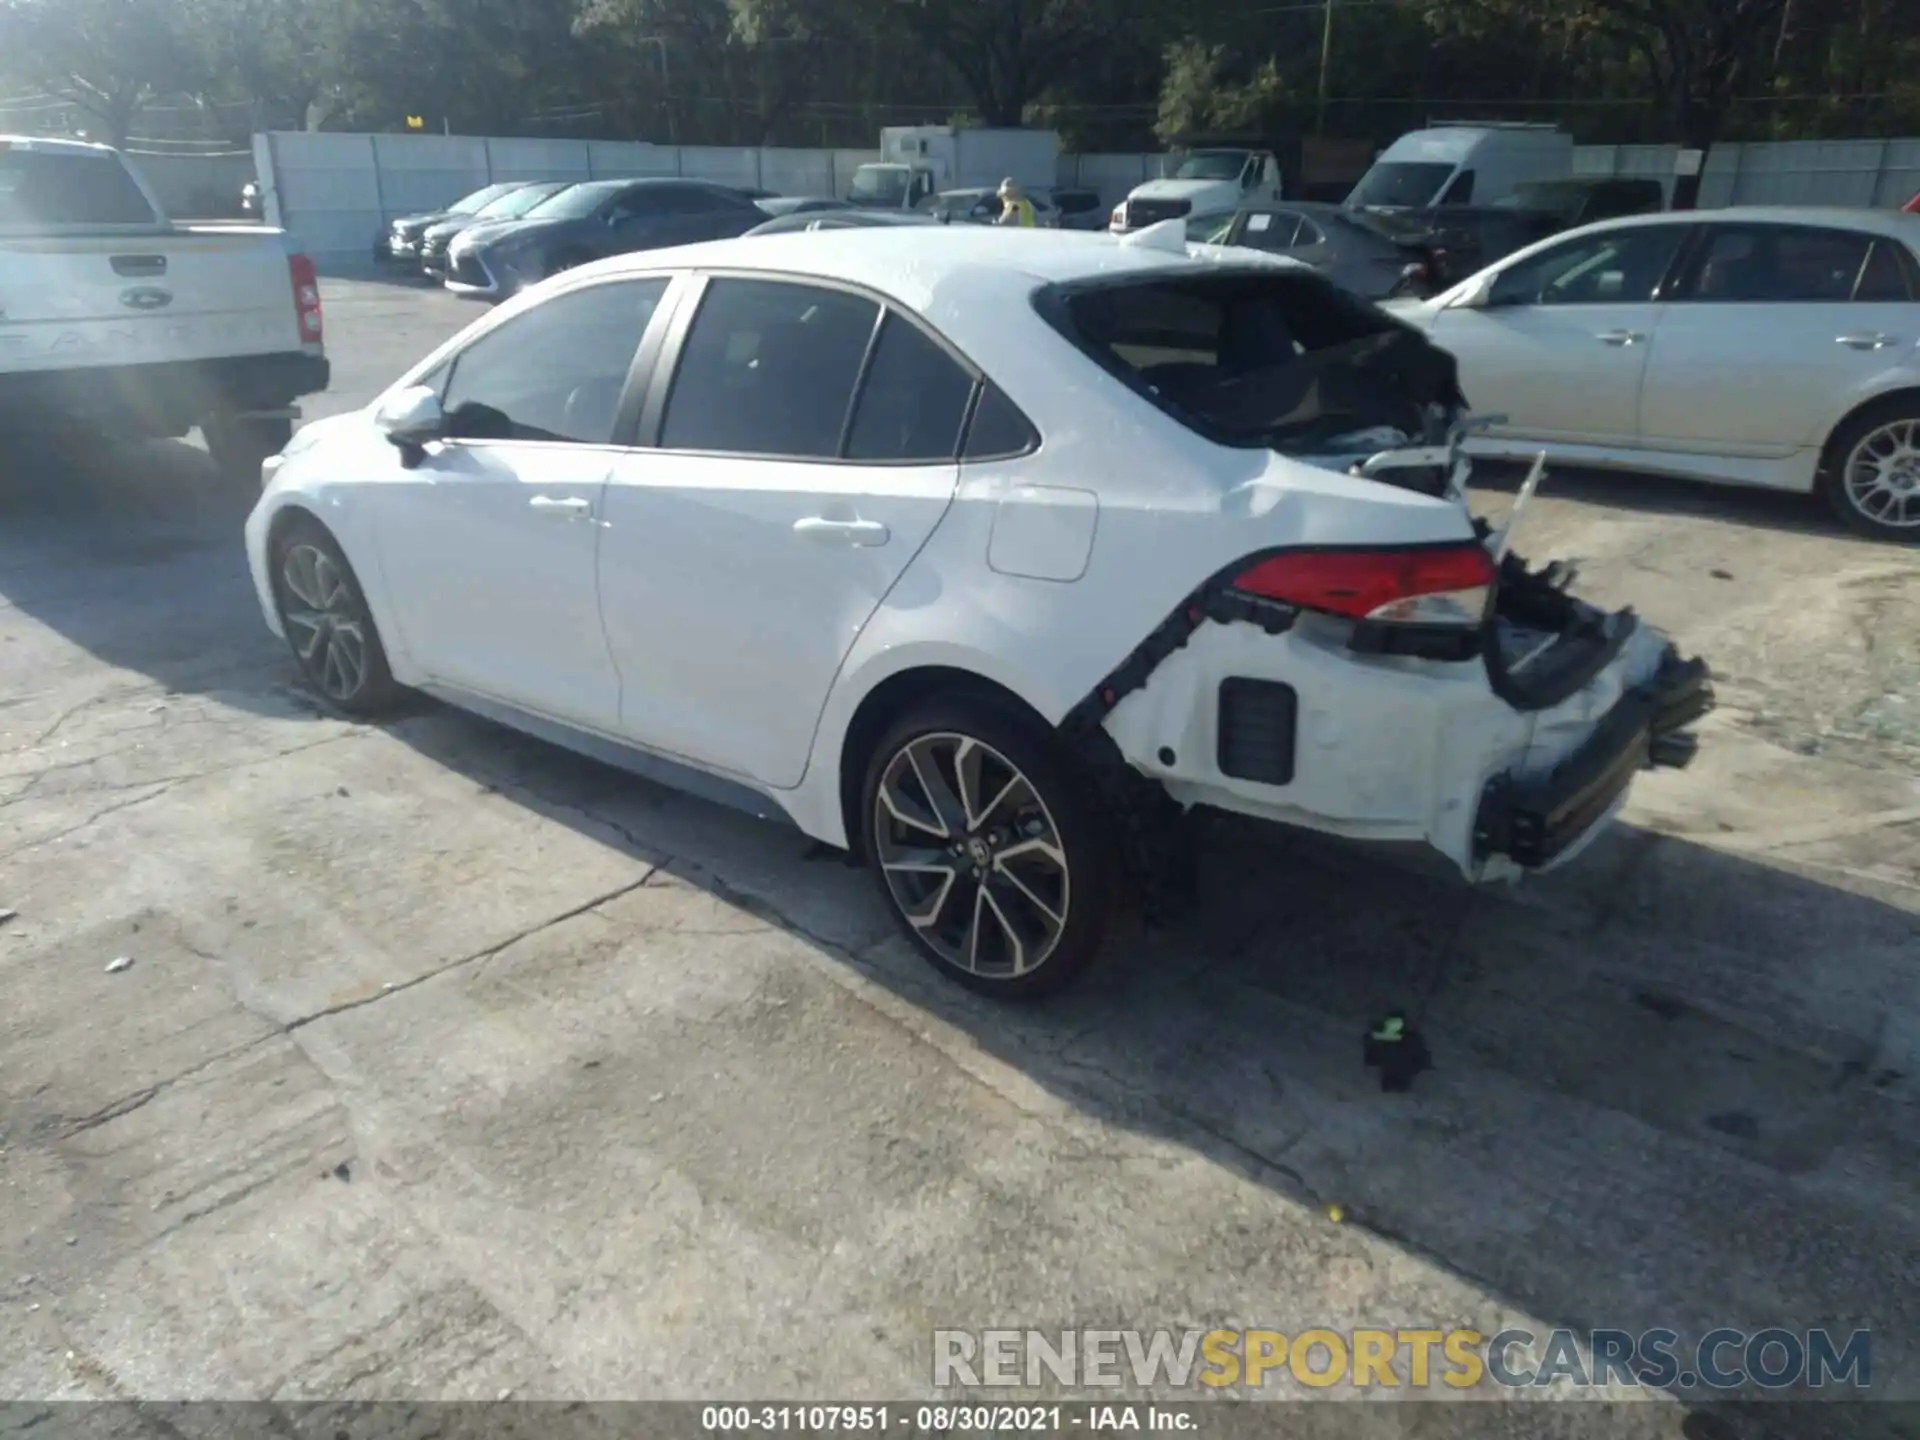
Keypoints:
(1470, 163)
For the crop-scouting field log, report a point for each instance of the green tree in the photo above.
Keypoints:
(107, 57)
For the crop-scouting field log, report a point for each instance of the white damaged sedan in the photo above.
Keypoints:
(986, 555)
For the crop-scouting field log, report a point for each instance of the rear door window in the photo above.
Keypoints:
(1776, 264)
(913, 401)
(1888, 275)
(769, 368)
(1273, 230)
(57, 188)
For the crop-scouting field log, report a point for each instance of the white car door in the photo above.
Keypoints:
(1773, 332)
(805, 450)
(489, 542)
(1559, 343)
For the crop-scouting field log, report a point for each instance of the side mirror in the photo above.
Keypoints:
(411, 419)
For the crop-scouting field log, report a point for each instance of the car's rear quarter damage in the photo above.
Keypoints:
(1359, 666)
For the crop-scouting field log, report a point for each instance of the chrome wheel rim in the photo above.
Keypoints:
(1882, 475)
(971, 855)
(323, 623)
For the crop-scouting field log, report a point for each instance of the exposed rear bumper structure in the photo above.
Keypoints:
(1535, 820)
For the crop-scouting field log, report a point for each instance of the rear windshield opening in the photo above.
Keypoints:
(1286, 361)
(54, 188)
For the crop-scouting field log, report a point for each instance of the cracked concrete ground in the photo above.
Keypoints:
(450, 1064)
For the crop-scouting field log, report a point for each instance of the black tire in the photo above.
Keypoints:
(240, 447)
(1064, 818)
(1835, 465)
(322, 635)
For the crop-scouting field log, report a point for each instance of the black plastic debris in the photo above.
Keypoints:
(1397, 1051)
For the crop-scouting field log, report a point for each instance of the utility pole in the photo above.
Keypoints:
(1326, 62)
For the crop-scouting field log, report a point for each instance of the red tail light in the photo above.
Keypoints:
(1433, 585)
(306, 298)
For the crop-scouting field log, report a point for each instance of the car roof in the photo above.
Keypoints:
(964, 279)
(1878, 222)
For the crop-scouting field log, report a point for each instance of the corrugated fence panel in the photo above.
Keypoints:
(797, 172)
(1900, 177)
(630, 159)
(1834, 172)
(728, 164)
(420, 173)
(328, 192)
(538, 159)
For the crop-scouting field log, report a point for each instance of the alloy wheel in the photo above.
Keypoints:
(1882, 475)
(325, 626)
(971, 855)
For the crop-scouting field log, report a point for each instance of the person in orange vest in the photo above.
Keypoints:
(1015, 208)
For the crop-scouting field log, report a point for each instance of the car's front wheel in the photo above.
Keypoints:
(988, 846)
(325, 618)
(1873, 470)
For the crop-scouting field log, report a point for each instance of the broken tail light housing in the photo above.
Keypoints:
(306, 298)
(1448, 586)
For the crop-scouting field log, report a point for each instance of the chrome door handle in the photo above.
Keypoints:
(1620, 337)
(1874, 341)
(571, 507)
(844, 532)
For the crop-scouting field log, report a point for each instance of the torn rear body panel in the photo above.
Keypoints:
(1279, 713)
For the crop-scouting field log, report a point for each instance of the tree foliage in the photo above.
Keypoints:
(1110, 74)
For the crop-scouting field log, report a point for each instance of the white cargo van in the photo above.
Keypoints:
(1469, 163)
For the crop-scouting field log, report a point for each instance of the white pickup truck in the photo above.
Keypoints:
(117, 324)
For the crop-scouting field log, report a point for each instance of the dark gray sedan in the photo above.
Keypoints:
(514, 205)
(591, 221)
(1350, 248)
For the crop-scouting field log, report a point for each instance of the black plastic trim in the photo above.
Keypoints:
(1256, 730)
(1535, 820)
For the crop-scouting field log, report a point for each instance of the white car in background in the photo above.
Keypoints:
(1756, 346)
(981, 552)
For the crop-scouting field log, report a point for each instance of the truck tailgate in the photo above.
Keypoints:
(74, 301)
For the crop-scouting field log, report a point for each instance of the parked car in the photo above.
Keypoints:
(981, 553)
(120, 324)
(1583, 199)
(1464, 239)
(779, 205)
(516, 204)
(1761, 346)
(1078, 209)
(981, 206)
(589, 221)
(1349, 247)
(400, 239)
(851, 218)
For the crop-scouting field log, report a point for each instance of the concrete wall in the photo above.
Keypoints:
(336, 192)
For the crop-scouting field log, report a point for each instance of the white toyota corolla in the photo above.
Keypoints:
(984, 554)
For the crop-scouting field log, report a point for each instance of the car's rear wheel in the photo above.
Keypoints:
(324, 615)
(988, 847)
(1873, 470)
